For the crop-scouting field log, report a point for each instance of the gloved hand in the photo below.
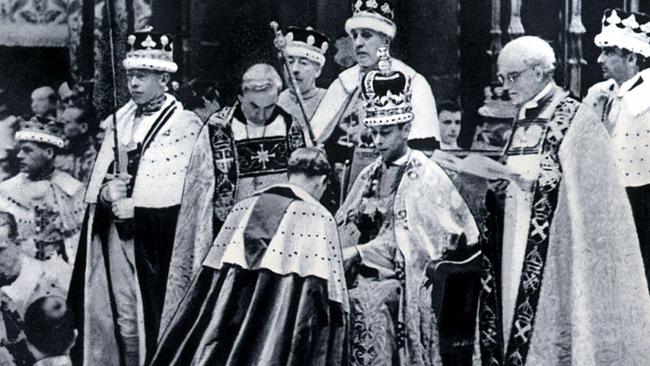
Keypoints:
(123, 208)
(351, 256)
(116, 188)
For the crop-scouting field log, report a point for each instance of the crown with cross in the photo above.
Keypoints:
(386, 94)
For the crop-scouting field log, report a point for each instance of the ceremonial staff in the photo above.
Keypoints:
(117, 165)
(281, 44)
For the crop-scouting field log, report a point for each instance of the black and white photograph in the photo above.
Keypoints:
(324, 183)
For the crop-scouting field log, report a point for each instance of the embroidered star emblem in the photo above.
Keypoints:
(263, 156)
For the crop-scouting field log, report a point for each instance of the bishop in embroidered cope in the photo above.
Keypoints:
(563, 282)
(271, 290)
(239, 151)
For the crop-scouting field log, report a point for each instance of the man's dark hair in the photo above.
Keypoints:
(88, 116)
(641, 61)
(448, 105)
(310, 161)
(53, 98)
(192, 93)
(49, 325)
(11, 222)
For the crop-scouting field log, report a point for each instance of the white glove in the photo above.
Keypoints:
(116, 188)
(123, 209)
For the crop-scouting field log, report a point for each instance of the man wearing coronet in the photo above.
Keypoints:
(402, 213)
(622, 101)
(306, 57)
(46, 202)
(133, 203)
(337, 121)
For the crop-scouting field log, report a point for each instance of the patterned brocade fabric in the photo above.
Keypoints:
(580, 298)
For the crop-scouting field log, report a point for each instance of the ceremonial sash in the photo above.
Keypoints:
(158, 124)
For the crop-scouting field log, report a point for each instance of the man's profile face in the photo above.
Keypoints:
(521, 81)
(258, 105)
(449, 126)
(145, 85)
(390, 141)
(304, 71)
(613, 64)
(41, 105)
(366, 43)
(33, 158)
(73, 126)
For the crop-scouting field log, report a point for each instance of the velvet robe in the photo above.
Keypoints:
(270, 291)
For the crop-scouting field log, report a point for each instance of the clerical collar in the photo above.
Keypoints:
(239, 115)
(401, 160)
(534, 103)
(150, 107)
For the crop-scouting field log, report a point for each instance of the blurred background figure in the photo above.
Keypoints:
(49, 330)
(201, 96)
(80, 125)
(498, 112)
(22, 279)
(8, 126)
(64, 93)
(44, 102)
(449, 117)
(46, 202)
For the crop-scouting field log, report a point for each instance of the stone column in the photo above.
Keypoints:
(495, 36)
(575, 60)
(516, 28)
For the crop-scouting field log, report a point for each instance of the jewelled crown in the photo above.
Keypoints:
(497, 103)
(151, 51)
(42, 130)
(308, 43)
(377, 15)
(386, 94)
(630, 31)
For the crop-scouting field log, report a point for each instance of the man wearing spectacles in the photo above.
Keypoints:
(564, 234)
